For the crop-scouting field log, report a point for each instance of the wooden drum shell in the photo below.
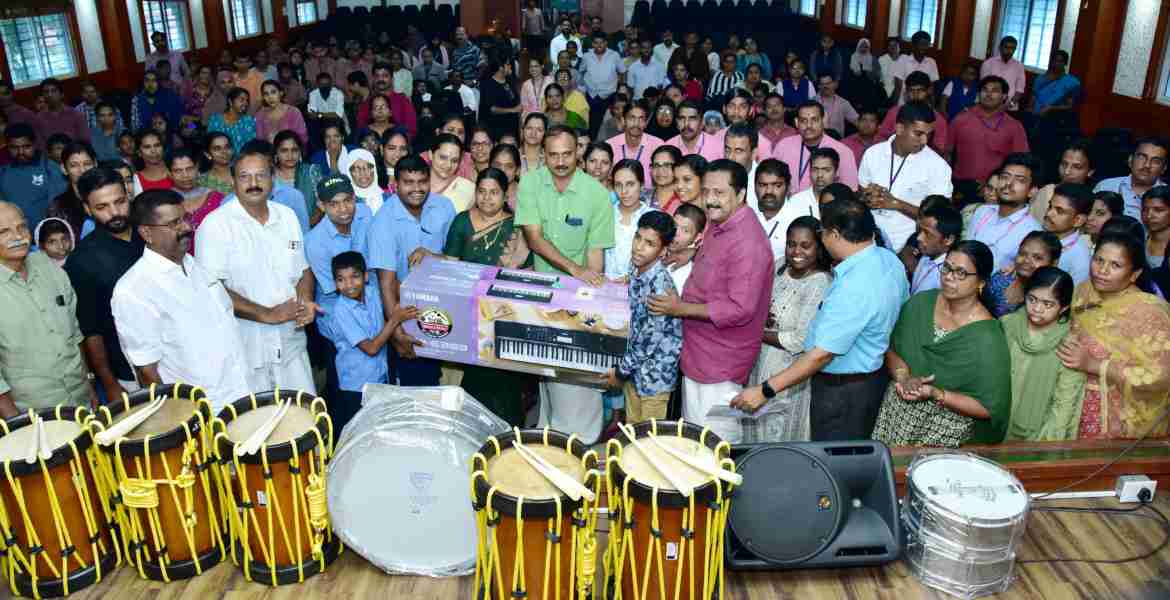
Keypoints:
(534, 552)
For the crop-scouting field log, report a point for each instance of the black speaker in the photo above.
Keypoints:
(813, 504)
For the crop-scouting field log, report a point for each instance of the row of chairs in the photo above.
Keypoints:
(711, 16)
(429, 18)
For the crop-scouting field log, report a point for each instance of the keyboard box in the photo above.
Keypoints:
(461, 306)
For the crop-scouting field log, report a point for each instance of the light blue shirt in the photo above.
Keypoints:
(395, 233)
(1002, 234)
(599, 77)
(1075, 256)
(1124, 186)
(322, 243)
(354, 323)
(928, 274)
(859, 311)
(283, 193)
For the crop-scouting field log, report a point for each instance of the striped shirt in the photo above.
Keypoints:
(722, 83)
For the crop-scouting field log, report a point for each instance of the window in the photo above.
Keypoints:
(808, 8)
(38, 47)
(855, 13)
(245, 18)
(306, 12)
(169, 17)
(1033, 24)
(920, 15)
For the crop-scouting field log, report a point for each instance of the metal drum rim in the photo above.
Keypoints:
(540, 508)
(668, 498)
(914, 493)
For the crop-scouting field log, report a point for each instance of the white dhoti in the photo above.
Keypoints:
(571, 409)
(698, 398)
(293, 373)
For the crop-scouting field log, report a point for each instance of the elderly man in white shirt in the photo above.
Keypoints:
(175, 320)
(646, 72)
(895, 176)
(255, 247)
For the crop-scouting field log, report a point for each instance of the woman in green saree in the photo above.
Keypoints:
(486, 234)
(949, 361)
(1046, 396)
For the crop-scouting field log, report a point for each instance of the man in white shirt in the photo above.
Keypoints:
(775, 209)
(740, 143)
(255, 247)
(890, 63)
(824, 164)
(326, 101)
(601, 70)
(1067, 211)
(469, 96)
(174, 319)
(646, 72)
(561, 39)
(916, 61)
(939, 228)
(895, 176)
(663, 51)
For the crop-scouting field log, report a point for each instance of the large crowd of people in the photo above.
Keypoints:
(822, 245)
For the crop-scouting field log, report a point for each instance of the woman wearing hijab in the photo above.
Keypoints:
(865, 75)
(362, 170)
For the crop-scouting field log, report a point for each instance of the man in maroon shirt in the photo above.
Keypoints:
(919, 88)
(59, 118)
(984, 135)
(15, 112)
(724, 303)
(400, 106)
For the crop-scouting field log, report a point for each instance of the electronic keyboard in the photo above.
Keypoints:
(556, 347)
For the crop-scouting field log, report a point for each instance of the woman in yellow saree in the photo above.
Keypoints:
(1120, 339)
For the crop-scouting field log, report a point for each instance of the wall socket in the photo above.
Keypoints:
(1129, 488)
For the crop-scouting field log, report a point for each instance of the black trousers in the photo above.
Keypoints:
(845, 407)
(597, 109)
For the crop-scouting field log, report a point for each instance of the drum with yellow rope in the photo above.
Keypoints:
(533, 540)
(664, 544)
(155, 461)
(273, 449)
(57, 534)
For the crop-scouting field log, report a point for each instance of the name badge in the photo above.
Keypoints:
(294, 245)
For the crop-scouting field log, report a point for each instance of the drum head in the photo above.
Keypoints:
(295, 423)
(512, 475)
(790, 486)
(968, 486)
(15, 445)
(174, 412)
(634, 462)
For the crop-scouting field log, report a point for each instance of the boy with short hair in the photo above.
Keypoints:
(360, 332)
(648, 371)
(689, 223)
(1067, 212)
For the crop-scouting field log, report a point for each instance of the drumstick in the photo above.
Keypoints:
(35, 446)
(682, 488)
(571, 487)
(125, 426)
(258, 437)
(43, 437)
(697, 463)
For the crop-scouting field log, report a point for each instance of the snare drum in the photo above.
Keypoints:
(533, 540)
(165, 496)
(661, 543)
(55, 527)
(964, 516)
(280, 527)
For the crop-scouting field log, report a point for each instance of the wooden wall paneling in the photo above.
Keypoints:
(1096, 46)
(957, 33)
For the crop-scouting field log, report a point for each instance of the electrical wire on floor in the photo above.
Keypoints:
(1045, 497)
(1157, 517)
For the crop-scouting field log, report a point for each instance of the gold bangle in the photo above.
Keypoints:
(940, 396)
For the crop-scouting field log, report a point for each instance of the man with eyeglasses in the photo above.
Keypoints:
(845, 348)
(255, 246)
(1147, 164)
(174, 318)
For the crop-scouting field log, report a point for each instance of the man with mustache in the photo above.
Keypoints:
(1147, 165)
(255, 246)
(100, 259)
(174, 319)
(725, 302)
(775, 208)
(691, 138)
(400, 106)
(40, 353)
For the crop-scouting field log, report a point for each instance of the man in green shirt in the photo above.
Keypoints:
(40, 352)
(566, 215)
(567, 220)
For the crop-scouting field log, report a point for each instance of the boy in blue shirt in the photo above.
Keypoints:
(359, 331)
(649, 367)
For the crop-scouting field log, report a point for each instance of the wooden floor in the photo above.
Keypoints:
(1059, 534)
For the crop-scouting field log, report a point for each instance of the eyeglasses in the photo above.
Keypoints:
(959, 273)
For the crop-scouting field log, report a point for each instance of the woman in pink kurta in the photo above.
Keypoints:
(275, 116)
(532, 90)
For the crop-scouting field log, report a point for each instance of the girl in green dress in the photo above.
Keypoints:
(486, 234)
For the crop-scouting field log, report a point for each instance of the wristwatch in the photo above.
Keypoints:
(767, 390)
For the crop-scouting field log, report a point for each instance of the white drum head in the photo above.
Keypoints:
(58, 432)
(969, 487)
